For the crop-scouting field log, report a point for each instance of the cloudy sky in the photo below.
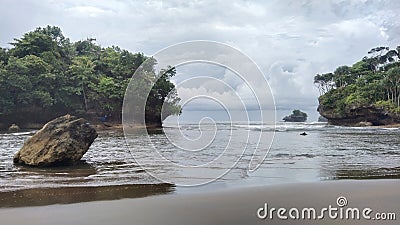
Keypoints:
(290, 40)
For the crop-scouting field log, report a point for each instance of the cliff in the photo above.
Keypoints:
(369, 115)
(366, 93)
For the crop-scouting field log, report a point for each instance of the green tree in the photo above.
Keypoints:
(393, 82)
(324, 82)
(163, 99)
(342, 76)
(374, 80)
(46, 75)
(48, 39)
(83, 74)
(3, 56)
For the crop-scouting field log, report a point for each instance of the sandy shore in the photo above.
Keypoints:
(396, 125)
(237, 206)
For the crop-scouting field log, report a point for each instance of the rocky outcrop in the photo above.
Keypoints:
(296, 116)
(359, 116)
(13, 128)
(294, 119)
(61, 141)
(322, 119)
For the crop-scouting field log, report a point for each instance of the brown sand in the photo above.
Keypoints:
(221, 207)
(396, 125)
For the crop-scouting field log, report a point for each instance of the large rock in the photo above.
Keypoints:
(296, 116)
(13, 128)
(61, 141)
(359, 116)
(322, 119)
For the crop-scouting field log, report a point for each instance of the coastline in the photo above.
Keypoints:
(236, 206)
(120, 126)
(115, 126)
(107, 126)
(395, 125)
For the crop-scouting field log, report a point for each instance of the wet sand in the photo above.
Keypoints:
(69, 195)
(238, 206)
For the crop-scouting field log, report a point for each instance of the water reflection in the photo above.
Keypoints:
(79, 169)
(360, 154)
(67, 195)
(366, 173)
(326, 153)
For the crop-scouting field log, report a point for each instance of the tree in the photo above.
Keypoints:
(4, 55)
(48, 39)
(324, 82)
(163, 99)
(82, 72)
(372, 81)
(46, 75)
(393, 83)
(297, 112)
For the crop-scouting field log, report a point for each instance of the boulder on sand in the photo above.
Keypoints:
(61, 141)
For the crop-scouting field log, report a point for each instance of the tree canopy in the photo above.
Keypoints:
(372, 81)
(44, 75)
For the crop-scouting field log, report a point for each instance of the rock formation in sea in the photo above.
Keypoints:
(296, 116)
(61, 141)
(322, 119)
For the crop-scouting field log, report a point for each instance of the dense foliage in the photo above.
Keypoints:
(374, 81)
(44, 75)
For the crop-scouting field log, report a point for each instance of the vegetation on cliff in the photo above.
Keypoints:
(44, 75)
(369, 90)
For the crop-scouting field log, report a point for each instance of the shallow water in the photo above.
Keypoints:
(326, 153)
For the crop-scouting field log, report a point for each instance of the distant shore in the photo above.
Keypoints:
(238, 206)
(396, 125)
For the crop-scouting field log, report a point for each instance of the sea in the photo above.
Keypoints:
(211, 156)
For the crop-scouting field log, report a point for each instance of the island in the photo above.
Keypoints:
(366, 93)
(296, 116)
(44, 75)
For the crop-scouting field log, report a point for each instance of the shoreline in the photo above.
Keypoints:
(238, 206)
(114, 126)
(395, 125)
(98, 126)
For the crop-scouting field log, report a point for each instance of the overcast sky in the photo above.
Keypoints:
(290, 41)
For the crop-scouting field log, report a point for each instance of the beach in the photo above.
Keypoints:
(200, 112)
(234, 206)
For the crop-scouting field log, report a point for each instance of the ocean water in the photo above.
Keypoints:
(196, 155)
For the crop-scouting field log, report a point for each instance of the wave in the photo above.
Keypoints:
(284, 127)
(312, 126)
(278, 127)
(19, 133)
